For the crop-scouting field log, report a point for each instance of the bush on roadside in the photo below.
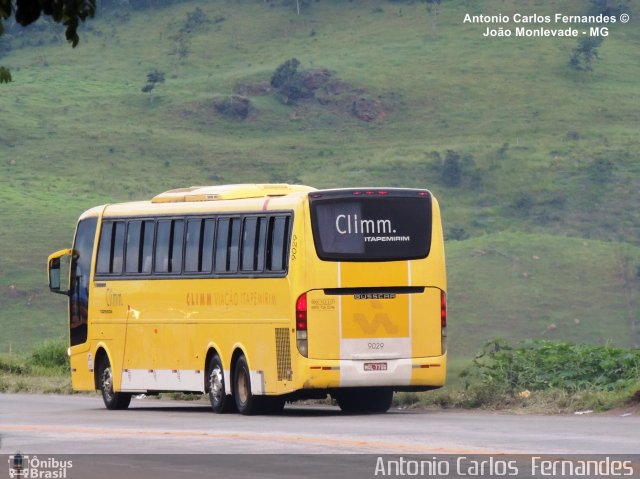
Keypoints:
(540, 376)
(542, 364)
(50, 354)
(13, 365)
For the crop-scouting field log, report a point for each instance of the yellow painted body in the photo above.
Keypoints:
(169, 325)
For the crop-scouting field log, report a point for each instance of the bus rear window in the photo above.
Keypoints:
(361, 227)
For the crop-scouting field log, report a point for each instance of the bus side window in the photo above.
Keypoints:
(133, 246)
(234, 245)
(117, 247)
(253, 239)
(104, 249)
(261, 243)
(207, 245)
(193, 248)
(249, 243)
(111, 248)
(177, 236)
(277, 243)
(146, 253)
(222, 239)
(163, 236)
(227, 245)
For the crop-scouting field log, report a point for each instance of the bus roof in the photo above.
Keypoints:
(205, 199)
(228, 192)
(229, 198)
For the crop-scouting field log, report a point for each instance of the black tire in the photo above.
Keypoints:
(245, 400)
(364, 400)
(112, 400)
(221, 402)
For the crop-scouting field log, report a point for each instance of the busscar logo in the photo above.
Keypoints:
(18, 465)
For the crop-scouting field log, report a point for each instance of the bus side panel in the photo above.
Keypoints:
(172, 322)
(323, 325)
(108, 325)
(159, 354)
(426, 332)
(81, 369)
(432, 270)
(252, 316)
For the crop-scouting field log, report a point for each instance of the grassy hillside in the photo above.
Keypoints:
(543, 224)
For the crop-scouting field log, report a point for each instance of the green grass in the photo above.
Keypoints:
(550, 401)
(517, 285)
(77, 131)
(45, 370)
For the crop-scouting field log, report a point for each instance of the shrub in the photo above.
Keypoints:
(584, 53)
(457, 170)
(543, 364)
(522, 203)
(451, 169)
(197, 20)
(503, 151)
(13, 365)
(457, 234)
(153, 77)
(600, 170)
(285, 73)
(606, 8)
(234, 107)
(290, 83)
(51, 354)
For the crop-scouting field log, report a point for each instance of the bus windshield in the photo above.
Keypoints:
(361, 225)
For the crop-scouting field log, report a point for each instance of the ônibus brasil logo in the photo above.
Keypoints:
(27, 467)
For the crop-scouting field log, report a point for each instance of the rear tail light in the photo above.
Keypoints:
(371, 192)
(301, 313)
(443, 320)
(301, 325)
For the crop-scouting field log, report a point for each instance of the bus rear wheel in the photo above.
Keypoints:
(112, 400)
(364, 400)
(221, 402)
(245, 400)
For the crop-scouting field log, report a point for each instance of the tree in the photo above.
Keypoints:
(607, 7)
(66, 12)
(584, 53)
(451, 169)
(290, 83)
(285, 73)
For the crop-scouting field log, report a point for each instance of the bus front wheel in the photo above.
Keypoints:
(112, 400)
(221, 402)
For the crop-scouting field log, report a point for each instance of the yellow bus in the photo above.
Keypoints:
(257, 295)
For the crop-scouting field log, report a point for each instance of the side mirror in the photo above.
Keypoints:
(55, 273)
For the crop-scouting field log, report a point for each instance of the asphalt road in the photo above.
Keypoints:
(51, 424)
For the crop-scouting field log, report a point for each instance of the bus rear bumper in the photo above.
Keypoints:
(405, 374)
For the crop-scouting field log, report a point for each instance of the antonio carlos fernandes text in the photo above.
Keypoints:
(498, 467)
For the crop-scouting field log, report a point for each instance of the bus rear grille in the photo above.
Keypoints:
(283, 354)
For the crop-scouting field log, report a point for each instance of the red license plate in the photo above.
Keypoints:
(375, 366)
